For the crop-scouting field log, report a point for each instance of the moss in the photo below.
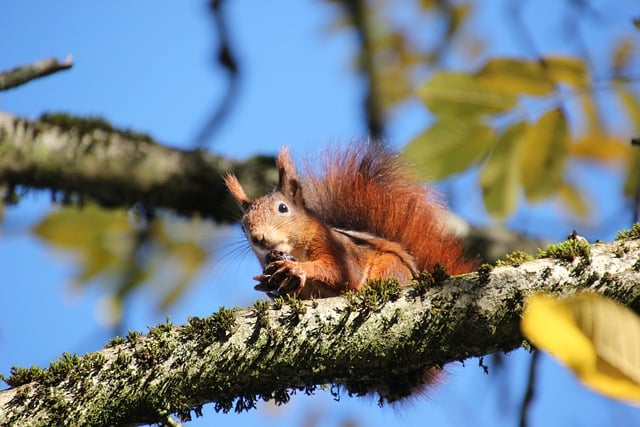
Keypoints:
(421, 284)
(580, 268)
(632, 233)
(567, 250)
(484, 274)
(515, 259)
(85, 125)
(161, 329)
(439, 274)
(20, 376)
(260, 309)
(278, 303)
(133, 337)
(298, 307)
(219, 326)
(115, 341)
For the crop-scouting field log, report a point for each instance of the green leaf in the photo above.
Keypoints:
(450, 146)
(499, 178)
(517, 76)
(563, 69)
(459, 94)
(166, 256)
(545, 147)
(98, 237)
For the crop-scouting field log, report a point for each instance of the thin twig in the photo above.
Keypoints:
(226, 60)
(24, 74)
(530, 391)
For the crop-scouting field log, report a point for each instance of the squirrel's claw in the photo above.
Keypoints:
(281, 277)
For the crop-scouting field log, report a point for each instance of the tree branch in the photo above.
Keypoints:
(88, 157)
(362, 341)
(21, 75)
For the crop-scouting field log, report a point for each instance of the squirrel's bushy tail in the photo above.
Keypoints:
(366, 187)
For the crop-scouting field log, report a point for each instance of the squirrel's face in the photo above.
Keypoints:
(269, 225)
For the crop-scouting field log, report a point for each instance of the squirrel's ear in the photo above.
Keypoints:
(288, 182)
(237, 191)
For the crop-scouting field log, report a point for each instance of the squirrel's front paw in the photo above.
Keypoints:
(282, 275)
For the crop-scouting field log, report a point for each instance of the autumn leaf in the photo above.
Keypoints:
(447, 147)
(545, 147)
(594, 336)
(461, 95)
(517, 76)
(500, 179)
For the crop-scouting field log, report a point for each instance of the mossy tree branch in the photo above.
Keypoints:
(88, 158)
(376, 340)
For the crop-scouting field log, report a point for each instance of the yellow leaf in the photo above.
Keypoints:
(632, 183)
(499, 178)
(545, 146)
(459, 94)
(573, 199)
(601, 147)
(563, 69)
(631, 104)
(595, 337)
(623, 53)
(450, 146)
(517, 76)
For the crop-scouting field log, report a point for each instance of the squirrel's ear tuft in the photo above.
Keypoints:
(288, 182)
(237, 191)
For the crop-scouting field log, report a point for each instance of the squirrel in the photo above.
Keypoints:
(362, 216)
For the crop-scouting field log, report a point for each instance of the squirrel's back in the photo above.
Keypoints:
(365, 187)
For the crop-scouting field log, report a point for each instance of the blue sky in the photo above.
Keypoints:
(148, 66)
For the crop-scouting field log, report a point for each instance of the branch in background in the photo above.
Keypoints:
(226, 60)
(88, 158)
(364, 341)
(357, 12)
(21, 75)
(530, 391)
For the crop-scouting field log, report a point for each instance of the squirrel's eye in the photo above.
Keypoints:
(283, 208)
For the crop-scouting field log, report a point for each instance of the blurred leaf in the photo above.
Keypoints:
(629, 101)
(631, 105)
(450, 146)
(517, 76)
(428, 4)
(601, 147)
(459, 94)
(571, 197)
(595, 337)
(100, 238)
(499, 178)
(563, 69)
(632, 183)
(458, 13)
(545, 146)
(622, 54)
(166, 256)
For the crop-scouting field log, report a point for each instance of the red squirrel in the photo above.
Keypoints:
(362, 215)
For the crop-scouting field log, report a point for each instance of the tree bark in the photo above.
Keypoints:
(87, 158)
(360, 342)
